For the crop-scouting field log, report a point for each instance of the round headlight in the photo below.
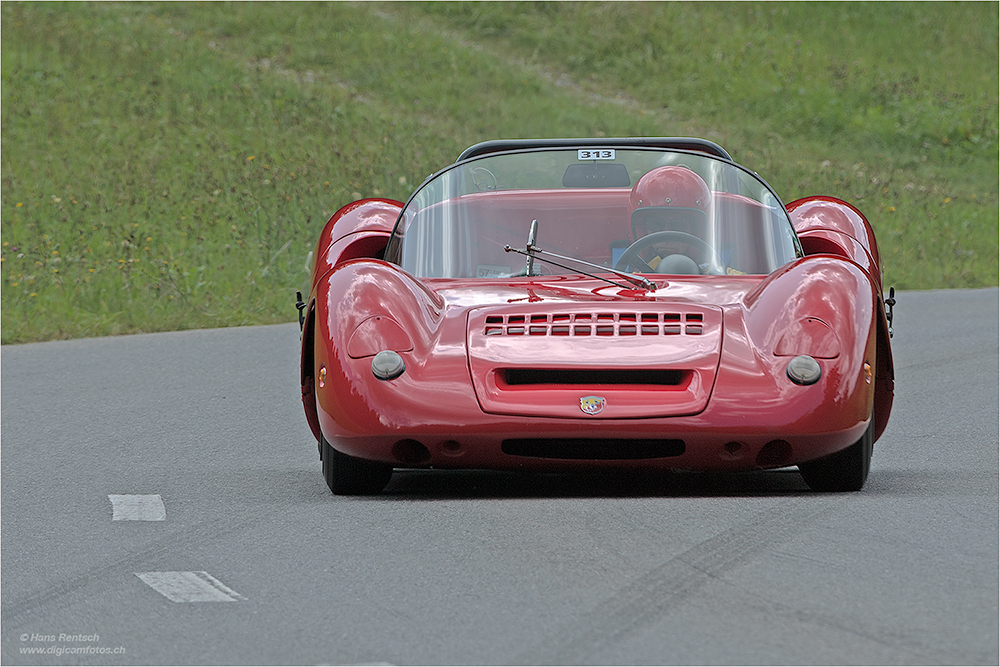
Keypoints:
(387, 365)
(803, 370)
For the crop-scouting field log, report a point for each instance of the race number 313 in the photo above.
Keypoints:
(596, 154)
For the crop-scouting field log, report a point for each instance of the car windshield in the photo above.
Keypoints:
(640, 210)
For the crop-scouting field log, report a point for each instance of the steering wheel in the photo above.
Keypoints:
(480, 187)
(706, 253)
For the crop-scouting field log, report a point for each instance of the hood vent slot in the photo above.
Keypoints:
(596, 324)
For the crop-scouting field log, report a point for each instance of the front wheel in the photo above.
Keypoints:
(350, 476)
(846, 470)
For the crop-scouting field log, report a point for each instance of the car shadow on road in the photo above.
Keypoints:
(415, 484)
(932, 482)
(457, 484)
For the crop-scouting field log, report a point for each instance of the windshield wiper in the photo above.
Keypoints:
(529, 264)
(532, 252)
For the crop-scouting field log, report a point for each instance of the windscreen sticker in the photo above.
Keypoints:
(492, 271)
(595, 154)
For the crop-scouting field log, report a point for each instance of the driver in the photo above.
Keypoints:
(672, 198)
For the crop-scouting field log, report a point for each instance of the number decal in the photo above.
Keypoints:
(493, 271)
(595, 154)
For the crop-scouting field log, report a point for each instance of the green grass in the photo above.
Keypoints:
(169, 166)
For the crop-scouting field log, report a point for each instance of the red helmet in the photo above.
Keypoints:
(669, 198)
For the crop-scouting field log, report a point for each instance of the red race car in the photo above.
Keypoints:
(577, 304)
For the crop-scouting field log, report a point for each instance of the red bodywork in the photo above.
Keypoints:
(692, 376)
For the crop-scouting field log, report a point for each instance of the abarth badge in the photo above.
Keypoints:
(592, 404)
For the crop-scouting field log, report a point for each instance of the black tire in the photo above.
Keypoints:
(349, 476)
(846, 470)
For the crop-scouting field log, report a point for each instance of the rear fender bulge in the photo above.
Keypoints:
(830, 242)
(830, 213)
(370, 219)
(357, 245)
(360, 216)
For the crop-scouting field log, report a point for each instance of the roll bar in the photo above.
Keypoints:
(678, 143)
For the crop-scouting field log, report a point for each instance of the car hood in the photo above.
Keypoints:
(582, 350)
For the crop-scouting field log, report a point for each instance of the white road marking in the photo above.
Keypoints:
(137, 508)
(189, 586)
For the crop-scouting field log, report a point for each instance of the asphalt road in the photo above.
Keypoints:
(141, 470)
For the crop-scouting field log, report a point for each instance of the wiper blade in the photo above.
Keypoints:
(534, 252)
(529, 264)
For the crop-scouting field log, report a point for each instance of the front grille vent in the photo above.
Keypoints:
(596, 324)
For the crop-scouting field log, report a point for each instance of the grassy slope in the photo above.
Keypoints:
(169, 166)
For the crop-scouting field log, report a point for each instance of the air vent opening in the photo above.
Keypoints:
(596, 324)
(592, 377)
